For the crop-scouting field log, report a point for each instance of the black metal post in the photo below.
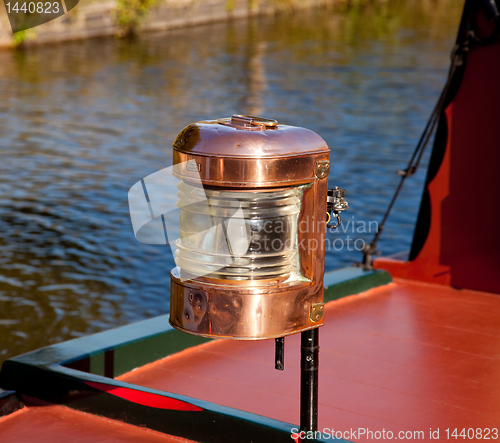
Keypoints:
(279, 354)
(309, 363)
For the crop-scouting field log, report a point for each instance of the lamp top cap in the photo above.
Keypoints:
(246, 136)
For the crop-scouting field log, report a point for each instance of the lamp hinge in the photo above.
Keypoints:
(322, 168)
(316, 312)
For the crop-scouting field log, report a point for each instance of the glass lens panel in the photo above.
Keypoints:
(239, 235)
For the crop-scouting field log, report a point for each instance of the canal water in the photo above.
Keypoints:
(81, 122)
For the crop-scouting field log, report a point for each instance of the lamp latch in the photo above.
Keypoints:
(335, 204)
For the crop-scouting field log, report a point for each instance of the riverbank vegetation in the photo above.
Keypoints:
(130, 13)
(98, 18)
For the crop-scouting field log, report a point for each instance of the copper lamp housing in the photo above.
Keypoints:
(265, 189)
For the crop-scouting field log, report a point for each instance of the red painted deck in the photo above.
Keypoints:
(57, 424)
(403, 357)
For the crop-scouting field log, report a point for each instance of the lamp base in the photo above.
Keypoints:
(222, 311)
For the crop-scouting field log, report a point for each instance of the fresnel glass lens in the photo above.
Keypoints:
(239, 235)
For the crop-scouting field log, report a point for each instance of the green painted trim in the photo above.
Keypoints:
(133, 346)
(97, 364)
(349, 281)
(138, 353)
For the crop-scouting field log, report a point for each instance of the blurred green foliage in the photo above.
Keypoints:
(130, 13)
(20, 37)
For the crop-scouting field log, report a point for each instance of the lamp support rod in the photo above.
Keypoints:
(309, 363)
(279, 354)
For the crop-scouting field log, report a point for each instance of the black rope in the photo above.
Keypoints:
(457, 57)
